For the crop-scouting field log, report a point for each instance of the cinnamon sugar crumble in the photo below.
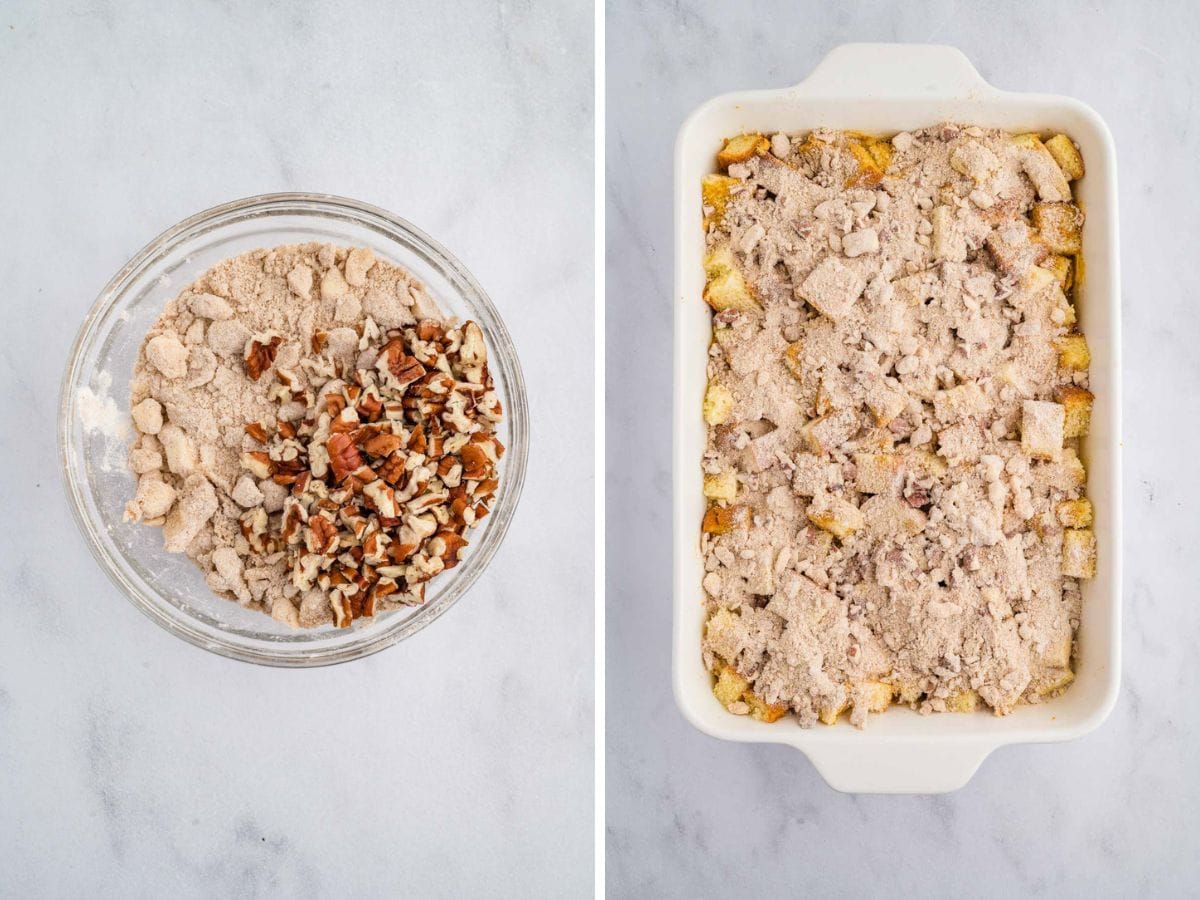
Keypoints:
(895, 399)
(313, 433)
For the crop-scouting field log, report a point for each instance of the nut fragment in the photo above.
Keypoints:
(260, 353)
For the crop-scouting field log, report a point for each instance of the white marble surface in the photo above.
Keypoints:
(456, 764)
(1113, 814)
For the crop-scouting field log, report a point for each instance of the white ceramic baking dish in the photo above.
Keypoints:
(883, 89)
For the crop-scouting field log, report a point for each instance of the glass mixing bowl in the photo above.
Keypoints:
(94, 408)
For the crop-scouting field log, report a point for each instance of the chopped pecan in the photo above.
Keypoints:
(260, 353)
(322, 535)
(343, 457)
(256, 431)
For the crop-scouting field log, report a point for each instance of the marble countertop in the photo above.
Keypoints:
(1115, 813)
(456, 764)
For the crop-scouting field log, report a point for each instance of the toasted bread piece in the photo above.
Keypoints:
(963, 701)
(729, 686)
(741, 148)
(870, 172)
(762, 710)
(1079, 553)
(829, 714)
(791, 359)
(1066, 154)
(1073, 352)
(877, 695)
(1063, 269)
(722, 486)
(1042, 429)
(1053, 680)
(1077, 407)
(1043, 170)
(1059, 226)
(1075, 513)
(1074, 467)
(726, 287)
(926, 463)
(723, 519)
(715, 191)
(718, 403)
(828, 432)
(949, 240)
(907, 692)
(877, 473)
(839, 517)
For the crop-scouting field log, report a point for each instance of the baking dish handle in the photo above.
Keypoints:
(898, 766)
(927, 71)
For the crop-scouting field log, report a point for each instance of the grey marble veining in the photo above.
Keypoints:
(456, 764)
(1113, 814)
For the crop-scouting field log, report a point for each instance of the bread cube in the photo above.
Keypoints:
(1048, 179)
(875, 694)
(887, 516)
(724, 519)
(741, 148)
(884, 403)
(722, 486)
(1042, 429)
(961, 402)
(763, 711)
(792, 361)
(881, 152)
(949, 240)
(869, 173)
(718, 403)
(729, 686)
(1075, 513)
(715, 191)
(926, 463)
(839, 517)
(726, 287)
(1066, 154)
(1058, 654)
(1079, 553)
(1053, 680)
(962, 702)
(829, 714)
(1013, 249)
(1073, 352)
(1059, 226)
(1077, 404)
(722, 334)
(908, 691)
(876, 473)
(826, 433)
(1063, 270)
(832, 288)
(974, 160)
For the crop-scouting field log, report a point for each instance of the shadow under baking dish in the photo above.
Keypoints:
(168, 587)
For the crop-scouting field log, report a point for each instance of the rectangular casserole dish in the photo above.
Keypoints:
(883, 89)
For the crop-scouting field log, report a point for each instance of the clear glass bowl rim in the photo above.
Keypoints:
(501, 349)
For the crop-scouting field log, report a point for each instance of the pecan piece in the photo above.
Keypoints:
(404, 369)
(322, 535)
(476, 464)
(256, 431)
(260, 353)
(343, 457)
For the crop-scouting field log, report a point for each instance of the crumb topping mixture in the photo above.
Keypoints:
(895, 397)
(314, 433)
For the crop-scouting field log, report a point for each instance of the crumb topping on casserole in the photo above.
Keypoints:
(895, 397)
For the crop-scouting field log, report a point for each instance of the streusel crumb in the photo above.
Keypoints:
(896, 393)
